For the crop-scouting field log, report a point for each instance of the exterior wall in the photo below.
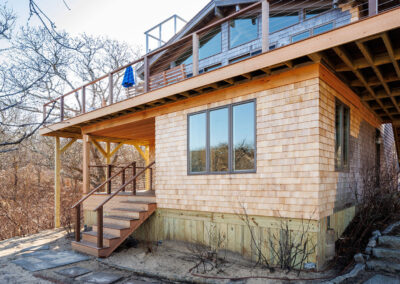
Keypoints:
(286, 183)
(200, 227)
(340, 188)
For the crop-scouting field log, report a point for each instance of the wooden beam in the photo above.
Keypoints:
(365, 51)
(390, 50)
(85, 163)
(63, 149)
(115, 149)
(57, 183)
(98, 146)
(346, 59)
(137, 147)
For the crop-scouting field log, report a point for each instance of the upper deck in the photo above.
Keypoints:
(358, 40)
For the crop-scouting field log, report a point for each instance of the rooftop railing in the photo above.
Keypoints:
(163, 66)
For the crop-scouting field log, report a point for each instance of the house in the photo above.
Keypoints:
(275, 108)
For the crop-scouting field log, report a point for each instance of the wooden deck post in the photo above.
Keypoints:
(83, 99)
(146, 72)
(372, 7)
(85, 163)
(57, 183)
(195, 57)
(110, 88)
(265, 25)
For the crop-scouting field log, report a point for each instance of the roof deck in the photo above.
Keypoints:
(363, 51)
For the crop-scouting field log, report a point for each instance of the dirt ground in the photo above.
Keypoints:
(166, 263)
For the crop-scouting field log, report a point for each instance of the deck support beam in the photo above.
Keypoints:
(85, 163)
(146, 157)
(57, 184)
(58, 151)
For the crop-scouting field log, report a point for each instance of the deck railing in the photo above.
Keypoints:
(107, 89)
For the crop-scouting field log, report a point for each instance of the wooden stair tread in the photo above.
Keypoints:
(115, 226)
(105, 236)
(130, 209)
(121, 218)
(89, 244)
(137, 202)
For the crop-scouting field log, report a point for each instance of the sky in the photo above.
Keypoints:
(124, 20)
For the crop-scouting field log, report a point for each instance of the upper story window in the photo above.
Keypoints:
(280, 21)
(243, 30)
(342, 135)
(222, 140)
(210, 44)
(309, 13)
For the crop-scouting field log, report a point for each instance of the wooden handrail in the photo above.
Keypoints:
(100, 186)
(124, 185)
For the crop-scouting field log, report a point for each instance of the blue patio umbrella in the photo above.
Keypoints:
(129, 79)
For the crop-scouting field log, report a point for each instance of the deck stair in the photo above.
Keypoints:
(115, 222)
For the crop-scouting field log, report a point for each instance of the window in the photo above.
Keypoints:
(210, 44)
(342, 135)
(323, 28)
(300, 36)
(283, 20)
(222, 140)
(309, 13)
(242, 31)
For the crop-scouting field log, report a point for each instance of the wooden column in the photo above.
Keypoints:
(195, 56)
(372, 7)
(57, 183)
(265, 25)
(147, 161)
(85, 163)
(108, 162)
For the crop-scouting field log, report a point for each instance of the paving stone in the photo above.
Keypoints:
(101, 278)
(36, 248)
(40, 260)
(73, 271)
(390, 241)
(382, 279)
(386, 253)
(379, 265)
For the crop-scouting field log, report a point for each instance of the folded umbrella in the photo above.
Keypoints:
(129, 79)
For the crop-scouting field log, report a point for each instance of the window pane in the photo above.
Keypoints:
(346, 133)
(219, 137)
(314, 12)
(301, 36)
(338, 139)
(242, 31)
(197, 142)
(210, 43)
(323, 28)
(280, 21)
(243, 137)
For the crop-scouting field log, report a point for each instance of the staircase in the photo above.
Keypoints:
(116, 220)
(386, 255)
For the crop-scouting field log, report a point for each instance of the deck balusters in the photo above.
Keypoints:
(83, 99)
(100, 227)
(134, 181)
(109, 171)
(62, 108)
(78, 223)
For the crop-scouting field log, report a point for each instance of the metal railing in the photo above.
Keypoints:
(86, 97)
